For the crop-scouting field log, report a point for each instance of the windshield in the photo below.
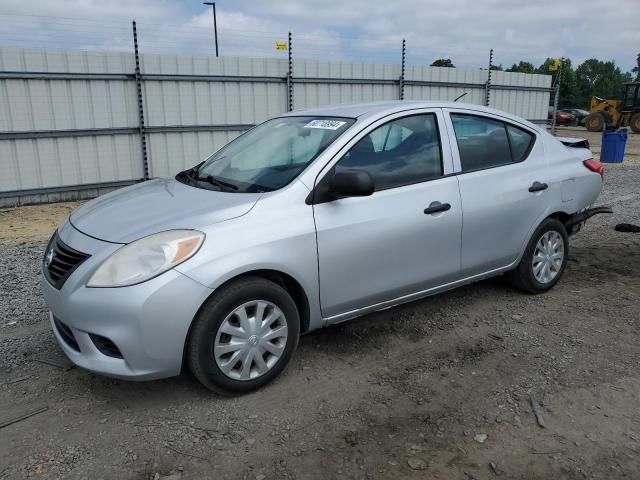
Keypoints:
(270, 155)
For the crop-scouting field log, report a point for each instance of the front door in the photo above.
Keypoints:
(403, 239)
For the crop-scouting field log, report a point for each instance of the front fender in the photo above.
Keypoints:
(278, 234)
(228, 268)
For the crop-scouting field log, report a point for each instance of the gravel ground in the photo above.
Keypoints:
(439, 388)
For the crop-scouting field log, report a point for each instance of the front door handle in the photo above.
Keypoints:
(436, 207)
(538, 187)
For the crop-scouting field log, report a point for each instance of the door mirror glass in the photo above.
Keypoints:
(351, 183)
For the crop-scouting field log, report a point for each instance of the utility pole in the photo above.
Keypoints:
(402, 68)
(487, 99)
(215, 24)
(556, 97)
(290, 74)
(141, 127)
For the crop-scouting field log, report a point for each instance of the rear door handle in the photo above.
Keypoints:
(538, 187)
(436, 207)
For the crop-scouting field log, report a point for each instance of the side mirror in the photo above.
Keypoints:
(351, 183)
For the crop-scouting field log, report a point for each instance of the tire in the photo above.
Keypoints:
(634, 123)
(594, 122)
(257, 298)
(524, 277)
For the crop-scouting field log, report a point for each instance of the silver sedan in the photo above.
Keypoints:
(309, 219)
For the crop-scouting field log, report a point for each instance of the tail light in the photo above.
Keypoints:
(594, 166)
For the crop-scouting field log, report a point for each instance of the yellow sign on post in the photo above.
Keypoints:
(281, 46)
(555, 65)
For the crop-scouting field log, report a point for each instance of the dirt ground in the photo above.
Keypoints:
(436, 389)
(34, 222)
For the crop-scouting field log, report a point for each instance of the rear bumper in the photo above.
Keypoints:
(146, 323)
(583, 216)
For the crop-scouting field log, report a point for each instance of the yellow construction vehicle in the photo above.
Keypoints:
(616, 113)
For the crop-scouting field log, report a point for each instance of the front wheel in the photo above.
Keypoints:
(544, 259)
(634, 123)
(244, 336)
(594, 122)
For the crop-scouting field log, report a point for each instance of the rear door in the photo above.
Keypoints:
(379, 248)
(503, 187)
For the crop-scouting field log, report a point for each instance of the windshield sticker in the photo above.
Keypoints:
(325, 124)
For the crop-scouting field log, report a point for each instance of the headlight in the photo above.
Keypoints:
(146, 258)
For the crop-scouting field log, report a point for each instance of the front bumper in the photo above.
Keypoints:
(148, 323)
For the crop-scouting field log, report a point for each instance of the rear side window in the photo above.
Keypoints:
(486, 143)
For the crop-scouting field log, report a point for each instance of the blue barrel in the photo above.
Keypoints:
(613, 143)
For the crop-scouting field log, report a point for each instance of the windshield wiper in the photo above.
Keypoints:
(219, 183)
(192, 174)
(222, 185)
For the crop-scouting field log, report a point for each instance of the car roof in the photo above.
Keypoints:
(381, 109)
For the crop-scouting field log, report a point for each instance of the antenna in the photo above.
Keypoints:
(460, 96)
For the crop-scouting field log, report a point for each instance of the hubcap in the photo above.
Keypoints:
(251, 340)
(548, 256)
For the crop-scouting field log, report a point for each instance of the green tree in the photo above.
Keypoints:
(497, 67)
(603, 79)
(592, 77)
(637, 68)
(522, 67)
(443, 62)
(569, 96)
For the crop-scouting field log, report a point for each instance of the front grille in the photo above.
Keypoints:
(106, 346)
(60, 260)
(66, 334)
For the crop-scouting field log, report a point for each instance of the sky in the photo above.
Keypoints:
(354, 30)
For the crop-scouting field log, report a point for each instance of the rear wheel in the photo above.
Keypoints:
(544, 259)
(594, 122)
(634, 124)
(244, 336)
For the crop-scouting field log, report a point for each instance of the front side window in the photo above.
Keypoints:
(401, 152)
(270, 155)
(486, 143)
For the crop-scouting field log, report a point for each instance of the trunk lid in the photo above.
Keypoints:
(574, 142)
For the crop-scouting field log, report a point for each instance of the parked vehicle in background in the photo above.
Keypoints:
(562, 118)
(306, 220)
(578, 114)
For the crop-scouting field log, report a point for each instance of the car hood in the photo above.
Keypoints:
(133, 212)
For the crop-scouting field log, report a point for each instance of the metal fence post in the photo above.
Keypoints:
(290, 77)
(488, 87)
(404, 56)
(556, 97)
(141, 129)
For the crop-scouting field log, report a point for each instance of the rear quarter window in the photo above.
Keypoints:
(521, 142)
